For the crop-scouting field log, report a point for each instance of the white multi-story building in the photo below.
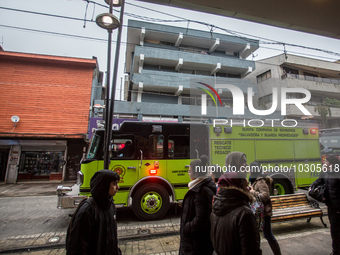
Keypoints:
(321, 78)
(165, 63)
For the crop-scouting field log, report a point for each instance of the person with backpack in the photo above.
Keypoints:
(196, 209)
(233, 226)
(260, 188)
(93, 228)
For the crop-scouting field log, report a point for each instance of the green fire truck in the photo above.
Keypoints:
(153, 159)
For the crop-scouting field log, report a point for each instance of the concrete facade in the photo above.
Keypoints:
(321, 78)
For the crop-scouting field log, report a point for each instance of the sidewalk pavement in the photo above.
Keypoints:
(32, 188)
(314, 242)
(161, 237)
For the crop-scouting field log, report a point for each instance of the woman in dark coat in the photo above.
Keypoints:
(233, 225)
(93, 228)
(330, 177)
(195, 217)
(260, 187)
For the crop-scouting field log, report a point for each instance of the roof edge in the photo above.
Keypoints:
(47, 58)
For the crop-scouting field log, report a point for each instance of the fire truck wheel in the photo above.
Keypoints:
(281, 187)
(150, 202)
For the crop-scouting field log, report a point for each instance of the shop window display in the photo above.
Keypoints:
(39, 165)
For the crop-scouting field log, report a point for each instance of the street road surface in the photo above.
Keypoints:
(33, 220)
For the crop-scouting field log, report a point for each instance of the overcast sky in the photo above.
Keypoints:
(41, 34)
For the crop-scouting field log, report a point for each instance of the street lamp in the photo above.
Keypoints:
(109, 22)
(115, 3)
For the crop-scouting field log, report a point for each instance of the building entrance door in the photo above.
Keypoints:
(3, 163)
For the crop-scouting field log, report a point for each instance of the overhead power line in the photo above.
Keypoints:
(180, 19)
(105, 40)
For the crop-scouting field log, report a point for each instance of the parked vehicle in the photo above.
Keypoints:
(153, 159)
(330, 142)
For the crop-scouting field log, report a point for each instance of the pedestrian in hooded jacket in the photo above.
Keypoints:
(330, 176)
(234, 229)
(260, 187)
(195, 217)
(93, 228)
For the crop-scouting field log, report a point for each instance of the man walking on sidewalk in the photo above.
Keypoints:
(93, 228)
(332, 194)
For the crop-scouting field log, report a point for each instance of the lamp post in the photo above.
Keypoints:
(109, 22)
(115, 71)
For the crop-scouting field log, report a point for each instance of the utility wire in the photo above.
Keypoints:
(44, 14)
(237, 33)
(105, 40)
(211, 26)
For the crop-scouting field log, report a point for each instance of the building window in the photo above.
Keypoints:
(266, 99)
(41, 163)
(309, 74)
(334, 123)
(290, 70)
(191, 100)
(227, 102)
(295, 95)
(264, 76)
(159, 68)
(193, 49)
(315, 100)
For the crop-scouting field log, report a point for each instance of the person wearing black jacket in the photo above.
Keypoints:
(260, 187)
(93, 228)
(195, 217)
(331, 178)
(234, 229)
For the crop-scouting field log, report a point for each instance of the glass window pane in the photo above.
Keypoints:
(94, 147)
(122, 147)
(179, 147)
(156, 146)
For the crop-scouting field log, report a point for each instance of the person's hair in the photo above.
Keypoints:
(234, 159)
(204, 159)
(201, 163)
(333, 160)
(100, 186)
(232, 179)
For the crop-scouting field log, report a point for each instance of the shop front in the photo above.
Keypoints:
(28, 160)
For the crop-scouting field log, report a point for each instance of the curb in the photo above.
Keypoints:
(33, 248)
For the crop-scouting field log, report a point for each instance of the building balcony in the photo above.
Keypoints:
(293, 111)
(183, 111)
(170, 82)
(317, 84)
(141, 33)
(181, 60)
